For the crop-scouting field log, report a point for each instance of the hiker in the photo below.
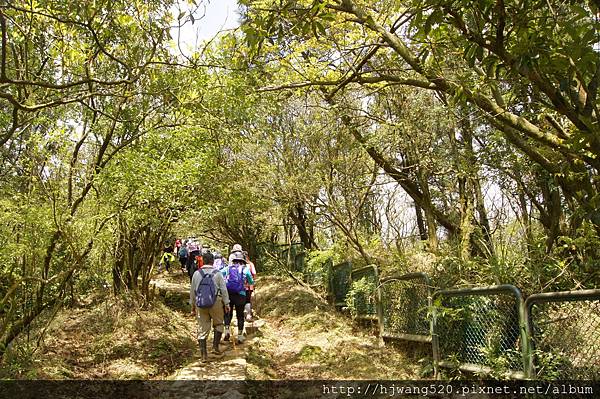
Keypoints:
(236, 248)
(183, 255)
(249, 287)
(167, 256)
(235, 276)
(193, 252)
(219, 261)
(210, 300)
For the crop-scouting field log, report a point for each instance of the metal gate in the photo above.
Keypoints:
(481, 330)
(404, 307)
(564, 332)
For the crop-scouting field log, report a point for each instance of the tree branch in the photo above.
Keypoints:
(4, 43)
(381, 78)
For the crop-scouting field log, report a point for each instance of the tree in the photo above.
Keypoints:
(486, 54)
(74, 97)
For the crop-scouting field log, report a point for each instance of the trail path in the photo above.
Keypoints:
(300, 337)
(231, 366)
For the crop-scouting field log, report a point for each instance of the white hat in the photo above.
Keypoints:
(236, 248)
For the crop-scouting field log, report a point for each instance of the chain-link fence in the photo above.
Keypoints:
(293, 256)
(478, 330)
(364, 292)
(340, 281)
(564, 328)
(483, 330)
(405, 302)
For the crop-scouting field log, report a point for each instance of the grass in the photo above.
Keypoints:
(109, 338)
(305, 338)
(113, 338)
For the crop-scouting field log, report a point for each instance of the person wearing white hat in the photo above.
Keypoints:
(236, 248)
(236, 277)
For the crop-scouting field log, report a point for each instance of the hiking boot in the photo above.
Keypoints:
(203, 350)
(216, 340)
(226, 337)
(240, 338)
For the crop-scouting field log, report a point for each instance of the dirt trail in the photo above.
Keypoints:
(304, 338)
(232, 366)
(300, 337)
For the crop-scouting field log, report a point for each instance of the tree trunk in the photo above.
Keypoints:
(472, 171)
(484, 222)
(299, 217)
(525, 219)
(427, 206)
(465, 210)
(420, 223)
(552, 223)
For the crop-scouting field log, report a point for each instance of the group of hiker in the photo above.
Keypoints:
(188, 252)
(219, 287)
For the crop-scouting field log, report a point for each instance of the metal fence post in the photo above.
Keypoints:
(528, 352)
(379, 307)
(525, 337)
(435, 343)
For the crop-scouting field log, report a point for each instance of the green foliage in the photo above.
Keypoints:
(310, 353)
(68, 173)
(580, 251)
(500, 361)
(318, 267)
(319, 259)
(360, 297)
(550, 365)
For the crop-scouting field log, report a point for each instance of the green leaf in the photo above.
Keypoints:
(320, 28)
(327, 16)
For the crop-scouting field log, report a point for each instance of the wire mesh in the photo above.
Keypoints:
(340, 282)
(319, 275)
(300, 262)
(293, 255)
(480, 329)
(364, 300)
(405, 304)
(566, 338)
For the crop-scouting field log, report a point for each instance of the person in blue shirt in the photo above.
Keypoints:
(236, 277)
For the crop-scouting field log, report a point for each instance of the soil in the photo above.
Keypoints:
(298, 336)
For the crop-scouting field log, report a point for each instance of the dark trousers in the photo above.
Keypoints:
(191, 263)
(167, 260)
(237, 302)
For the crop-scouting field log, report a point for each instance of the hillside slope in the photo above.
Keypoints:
(301, 337)
(305, 338)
